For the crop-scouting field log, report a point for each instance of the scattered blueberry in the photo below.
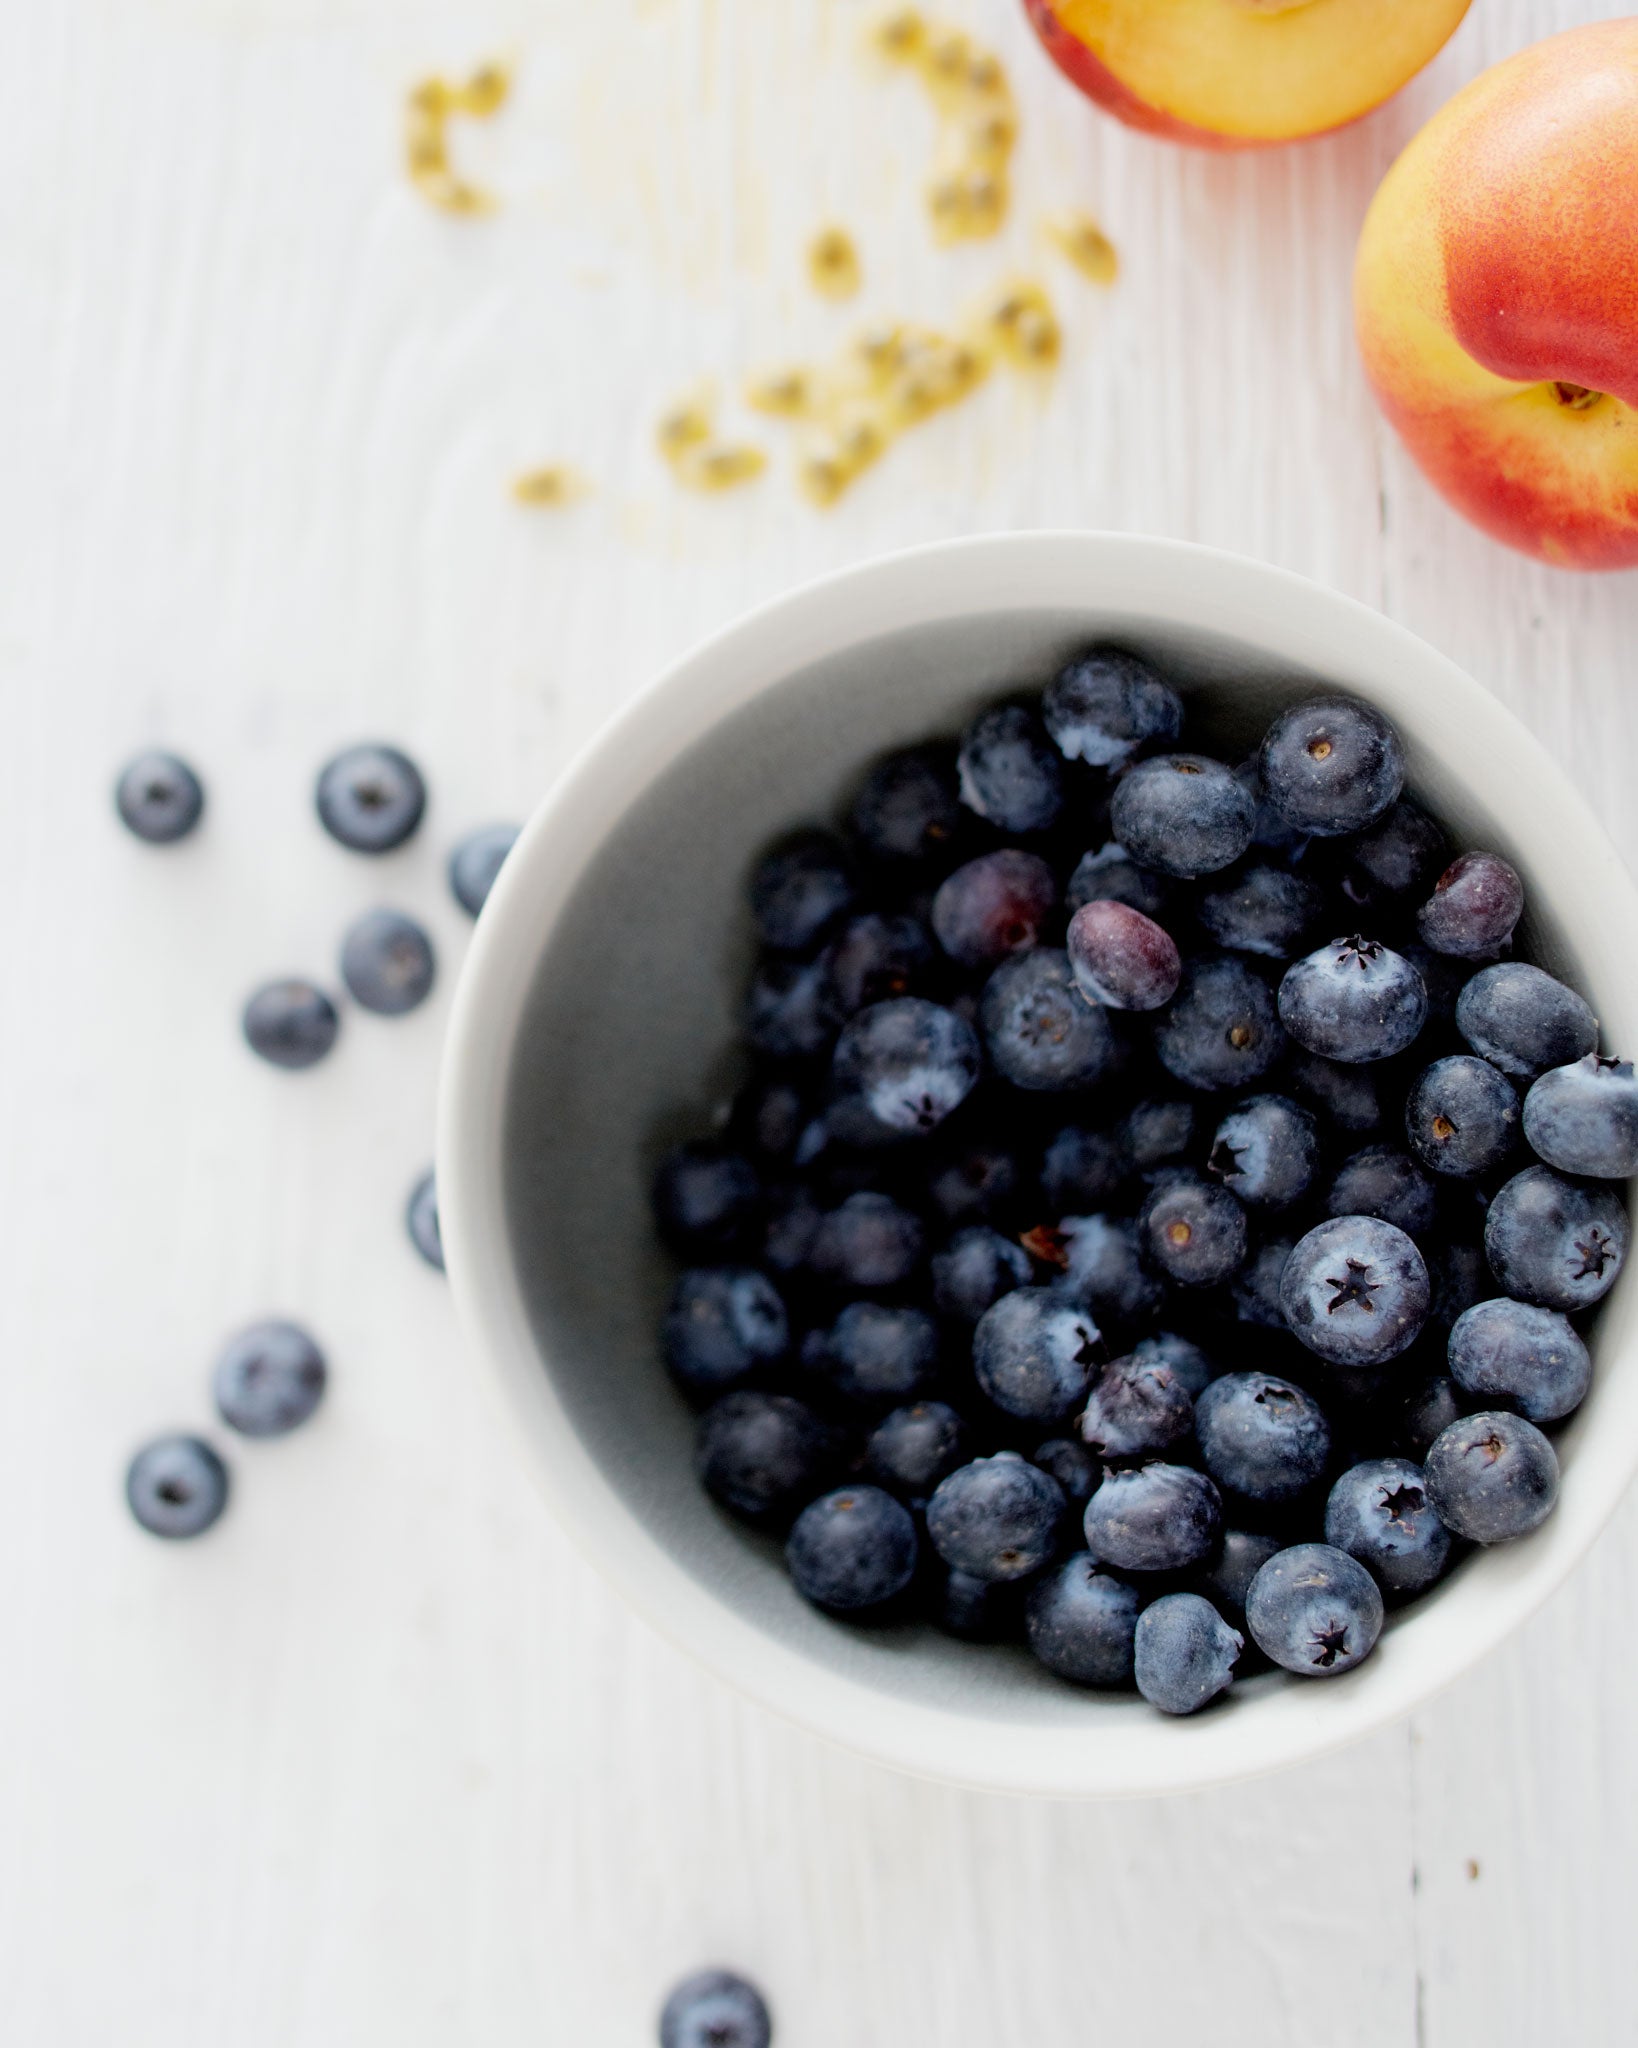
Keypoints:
(1038, 1032)
(878, 1355)
(176, 1486)
(386, 962)
(724, 1324)
(1331, 766)
(421, 1220)
(1264, 910)
(1462, 1117)
(1379, 1512)
(1221, 1030)
(1583, 1118)
(1262, 1439)
(909, 1063)
(290, 1023)
(159, 798)
(1475, 904)
(974, 1270)
(1035, 1353)
(1184, 1653)
(1353, 1000)
(1315, 1610)
(1379, 1181)
(1009, 771)
(800, 889)
(1080, 1623)
(1523, 1021)
(852, 1550)
(1492, 1477)
(1106, 707)
(1109, 874)
(997, 1518)
(995, 905)
(1355, 1291)
(476, 861)
(908, 807)
(1122, 959)
(1182, 814)
(370, 798)
(1138, 1407)
(1154, 1518)
(870, 1241)
(269, 1379)
(1265, 1152)
(1510, 1353)
(1555, 1242)
(715, 2009)
(762, 1456)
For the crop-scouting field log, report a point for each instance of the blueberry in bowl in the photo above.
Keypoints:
(599, 1049)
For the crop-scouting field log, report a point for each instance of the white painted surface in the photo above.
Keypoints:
(381, 1761)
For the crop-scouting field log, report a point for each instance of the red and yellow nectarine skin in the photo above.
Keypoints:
(1241, 74)
(1496, 298)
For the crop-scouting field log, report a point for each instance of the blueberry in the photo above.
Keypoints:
(977, 1180)
(421, 1220)
(1492, 1477)
(993, 906)
(792, 1226)
(290, 1023)
(1109, 874)
(789, 1010)
(1349, 1097)
(724, 1323)
(1184, 1653)
(974, 1270)
(176, 1486)
(1256, 1287)
(879, 1356)
(386, 962)
(852, 1550)
(159, 798)
(1081, 1169)
(908, 1062)
(874, 958)
(1122, 959)
(1262, 1438)
(1071, 1464)
(1081, 1622)
(761, 1456)
(998, 1518)
(1378, 1181)
(800, 889)
(370, 798)
(1153, 1518)
(1524, 1021)
(1555, 1242)
(1396, 859)
(1331, 765)
(1271, 833)
(1462, 1117)
(1155, 1132)
(973, 1610)
(1427, 1410)
(707, 1197)
(1227, 1579)
(1105, 707)
(1102, 1264)
(768, 1116)
(1265, 1152)
(1379, 1512)
(1264, 910)
(269, 1379)
(870, 1241)
(1221, 1030)
(908, 807)
(1188, 1364)
(1583, 1118)
(1009, 771)
(1315, 1610)
(715, 2010)
(1459, 1276)
(915, 1447)
(1355, 1291)
(1039, 1032)
(476, 861)
(1475, 904)
(1034, 1354)
(1183, 814)
(1194, 1230)
(1137, 1408)
(1530, 1359)
(1353, 1000)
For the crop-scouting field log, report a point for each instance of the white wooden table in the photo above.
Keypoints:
(382, 1761)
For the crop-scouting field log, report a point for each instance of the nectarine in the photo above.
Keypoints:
(1496, 298)
(1233, 74)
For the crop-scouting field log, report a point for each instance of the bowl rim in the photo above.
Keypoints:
(1296, 620)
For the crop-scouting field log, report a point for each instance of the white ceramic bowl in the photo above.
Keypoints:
(594, 1026)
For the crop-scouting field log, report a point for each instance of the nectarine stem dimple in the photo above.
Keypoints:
(1577, 397)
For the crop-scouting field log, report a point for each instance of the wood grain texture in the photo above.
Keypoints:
(382, 1761)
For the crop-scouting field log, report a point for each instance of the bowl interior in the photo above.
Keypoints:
(626, 1043)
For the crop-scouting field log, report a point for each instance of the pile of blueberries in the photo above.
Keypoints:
(371, 799)
(1104, 1253)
